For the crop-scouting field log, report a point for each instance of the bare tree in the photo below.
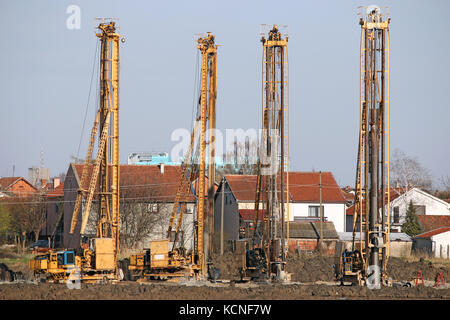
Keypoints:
(407, 172)
(243, 159)
(38, 215)
(445, 182)
(28, 217)
(445, 188)
(138, 220)
(143, 213)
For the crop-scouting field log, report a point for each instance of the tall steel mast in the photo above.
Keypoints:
(208, 94)
(272, 179)
(372, 198)
(106, 165)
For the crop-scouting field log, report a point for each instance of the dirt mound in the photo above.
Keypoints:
(310, 268)
(314, 267)
(304, 268)
(227, 264)
(9, 275)
(401, 269)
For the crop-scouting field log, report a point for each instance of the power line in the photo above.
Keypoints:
(89, 98)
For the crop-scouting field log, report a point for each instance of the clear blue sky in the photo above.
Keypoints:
(46, 70)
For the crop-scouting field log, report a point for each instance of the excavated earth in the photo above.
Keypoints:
(312, 277)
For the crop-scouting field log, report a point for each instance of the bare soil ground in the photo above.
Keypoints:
(312, 268)
(312, 278)
(136, 291)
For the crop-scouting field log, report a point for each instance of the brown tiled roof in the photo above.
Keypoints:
(431, 222)
(8, 181)
(303, 187)
(433, 232)
(57, 192)
(145, 182)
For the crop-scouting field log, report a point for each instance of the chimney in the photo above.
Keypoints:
(161, 167)
(56, 182)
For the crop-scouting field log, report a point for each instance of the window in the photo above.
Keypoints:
(314, 211)
(420, 210)
(70, 259)
(396, 215)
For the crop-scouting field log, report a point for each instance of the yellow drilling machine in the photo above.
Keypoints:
(168, 259)
(97, 259)
(264, 256)
(366, 262)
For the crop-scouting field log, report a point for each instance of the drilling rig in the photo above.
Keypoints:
(164, 260)
(366, 263)
(265, 257)
(97, 259)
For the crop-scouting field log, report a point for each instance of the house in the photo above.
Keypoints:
(436, 242)
(53, 227)
(17, 187)
(349, 195)
(148, 191)
(424, 204)
(239, 193)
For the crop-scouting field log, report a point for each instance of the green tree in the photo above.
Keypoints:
(411, 226)
(5, 220)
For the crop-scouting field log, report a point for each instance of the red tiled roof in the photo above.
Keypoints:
(433, 232)
(432, 222)
(393, 195)
(303, 187)
(249, 214)
(141, 182)
(8, 181)
(57, 192)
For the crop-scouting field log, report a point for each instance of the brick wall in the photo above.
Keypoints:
(308, 245)
(22, 189)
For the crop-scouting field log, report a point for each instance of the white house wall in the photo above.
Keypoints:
(441, 243)
(433, 205)
(334, 212)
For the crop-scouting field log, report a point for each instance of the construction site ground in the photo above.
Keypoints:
(312, 277)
